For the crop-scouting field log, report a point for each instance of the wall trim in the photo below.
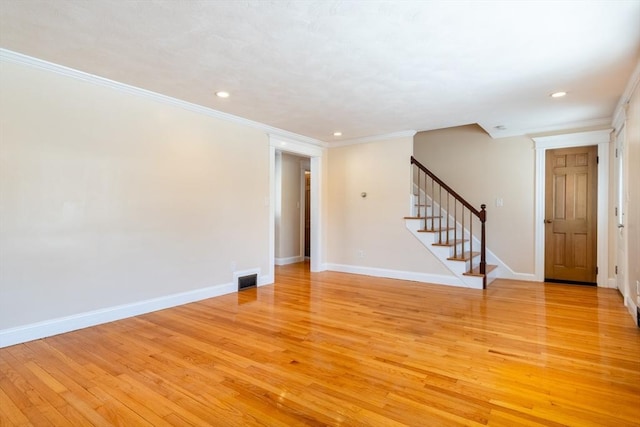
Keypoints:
(632, 308)
(366, 139)
(436, 279)
(632, 83)
(15, 57)
(47, 328)
(601, 138)
(289, 260)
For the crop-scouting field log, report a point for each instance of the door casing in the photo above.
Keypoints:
(601, 138)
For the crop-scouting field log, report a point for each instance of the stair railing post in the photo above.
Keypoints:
(483, 244)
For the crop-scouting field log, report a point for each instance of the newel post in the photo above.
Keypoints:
(483, 243)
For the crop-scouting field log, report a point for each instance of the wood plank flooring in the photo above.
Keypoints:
(338, 349)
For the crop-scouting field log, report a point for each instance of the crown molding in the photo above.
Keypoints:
(619, 113)
(15, 57)
(366, 139)
(577, 139)
(559, 128)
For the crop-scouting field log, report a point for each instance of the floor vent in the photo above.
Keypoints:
(246, 282)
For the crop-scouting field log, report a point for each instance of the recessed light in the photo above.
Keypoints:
(558, 94)
(337, 134)
(222, 94)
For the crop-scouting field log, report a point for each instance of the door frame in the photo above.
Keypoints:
(621, 241)
(601, 138)
(315, 154)
(304, 167)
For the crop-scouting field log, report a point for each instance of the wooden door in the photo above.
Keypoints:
(570, 215)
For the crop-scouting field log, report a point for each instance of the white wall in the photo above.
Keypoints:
(482, 169)
(368, 235)
(109, 198)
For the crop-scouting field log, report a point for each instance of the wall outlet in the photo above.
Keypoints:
(638, 287)
(499, 202)
(360, 254)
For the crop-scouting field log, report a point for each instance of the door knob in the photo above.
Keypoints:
(547, 221)
(620, 225)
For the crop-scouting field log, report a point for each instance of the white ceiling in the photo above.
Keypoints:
(365, 68)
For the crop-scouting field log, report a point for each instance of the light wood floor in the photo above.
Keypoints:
(338, 349)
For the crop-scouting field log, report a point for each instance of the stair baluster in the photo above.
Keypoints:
(432, 189)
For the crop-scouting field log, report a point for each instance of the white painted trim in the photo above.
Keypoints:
(436, 279)
(345, 142)
(632, 83)
(294, 147)
(10, 56)
(632, 308)
(600, 138)
(506, 133)
(316, 214)
(578, 139)
(74, 322)
(602, 247)
(611, 283)
(272, 214)
(289, 260)
(315, 165)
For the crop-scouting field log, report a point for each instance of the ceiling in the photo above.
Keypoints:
(364, 68)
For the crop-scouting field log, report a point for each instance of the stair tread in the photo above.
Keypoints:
(476, 270)
(450, 243)
(464, 257)
(422, 217)
(436, 230)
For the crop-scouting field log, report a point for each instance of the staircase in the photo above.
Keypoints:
(448, 226)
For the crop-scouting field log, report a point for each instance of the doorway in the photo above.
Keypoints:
(601, 139)
(571, 208)
(307, 214)
(620, 210)
(315, 155)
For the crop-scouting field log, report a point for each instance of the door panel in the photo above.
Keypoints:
(570, 217)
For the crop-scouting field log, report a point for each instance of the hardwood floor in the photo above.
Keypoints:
(338, 349)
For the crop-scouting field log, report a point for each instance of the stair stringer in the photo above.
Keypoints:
(458, 268)
(442, 253)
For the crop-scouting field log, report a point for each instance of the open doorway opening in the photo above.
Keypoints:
(314, 153)
(292, 219)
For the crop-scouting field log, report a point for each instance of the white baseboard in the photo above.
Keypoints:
(611, 283)
(633, 309)
(74, 322)
(289, 260)
(436, 279)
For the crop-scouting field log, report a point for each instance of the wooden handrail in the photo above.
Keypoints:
(481, 214)
(446, 187)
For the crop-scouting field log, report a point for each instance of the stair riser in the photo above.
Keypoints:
(458, 268)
